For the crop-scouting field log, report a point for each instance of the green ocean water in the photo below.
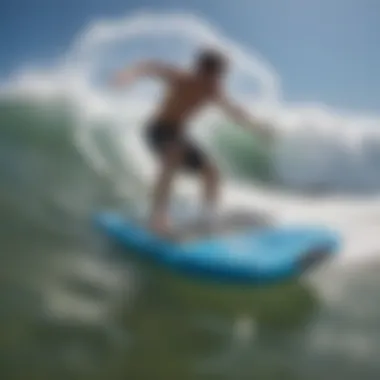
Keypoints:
(73, 306)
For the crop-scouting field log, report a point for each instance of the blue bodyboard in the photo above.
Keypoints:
(251, 255)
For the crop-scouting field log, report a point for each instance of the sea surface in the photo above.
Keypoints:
(74, 306)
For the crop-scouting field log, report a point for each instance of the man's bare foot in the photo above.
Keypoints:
(161, 228)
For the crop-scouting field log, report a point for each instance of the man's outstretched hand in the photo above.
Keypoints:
(119, 79)
(265, 129)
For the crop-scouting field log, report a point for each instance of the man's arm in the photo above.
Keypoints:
(241, 117)
(145, 69)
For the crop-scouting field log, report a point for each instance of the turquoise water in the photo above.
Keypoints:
(72, 306)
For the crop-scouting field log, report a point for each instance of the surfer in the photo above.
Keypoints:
(188, 91)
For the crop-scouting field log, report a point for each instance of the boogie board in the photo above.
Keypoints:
(256, 254)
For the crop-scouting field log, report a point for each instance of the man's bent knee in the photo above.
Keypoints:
(211, 174)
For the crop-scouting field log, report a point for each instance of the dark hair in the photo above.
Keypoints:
(211, 61)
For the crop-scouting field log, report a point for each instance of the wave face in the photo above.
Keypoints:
(316, 150)
(68, 119)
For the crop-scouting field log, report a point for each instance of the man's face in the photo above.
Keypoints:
(214, 75)
(211, 67)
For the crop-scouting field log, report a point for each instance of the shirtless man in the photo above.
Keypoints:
(188, 92)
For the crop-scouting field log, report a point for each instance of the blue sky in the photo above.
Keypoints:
(324, 50)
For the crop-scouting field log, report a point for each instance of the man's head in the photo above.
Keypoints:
(211, 64)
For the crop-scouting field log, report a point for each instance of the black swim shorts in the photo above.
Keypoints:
(161, 135)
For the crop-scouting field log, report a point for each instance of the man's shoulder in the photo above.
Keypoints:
(185, 75)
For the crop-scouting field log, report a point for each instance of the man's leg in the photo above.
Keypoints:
(197, 162)
(159, 220)
(211, 189)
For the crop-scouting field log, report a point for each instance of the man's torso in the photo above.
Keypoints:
(184, 98)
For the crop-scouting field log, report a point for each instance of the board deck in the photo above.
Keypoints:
(227, 223)
(244, 248)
